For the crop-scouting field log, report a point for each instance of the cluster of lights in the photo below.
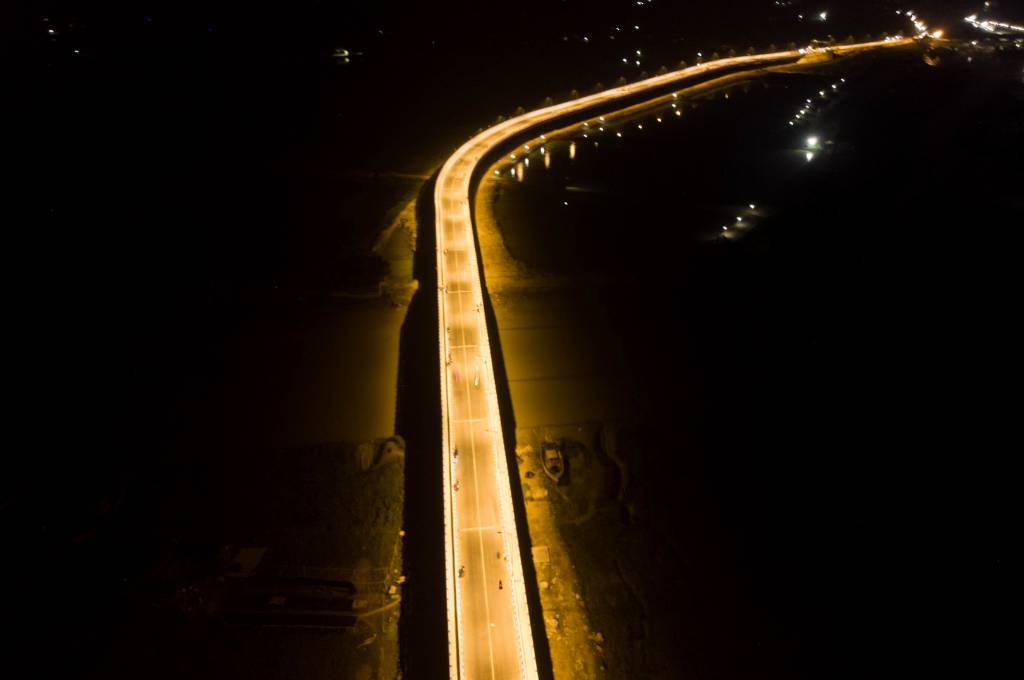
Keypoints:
(739, 220)
(919, 25)
(808, 106)
(990, 26)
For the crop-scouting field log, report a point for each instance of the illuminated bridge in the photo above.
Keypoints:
(489, 631)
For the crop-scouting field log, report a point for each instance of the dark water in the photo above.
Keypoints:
(832, 372)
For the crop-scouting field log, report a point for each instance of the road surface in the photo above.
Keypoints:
(489, 632)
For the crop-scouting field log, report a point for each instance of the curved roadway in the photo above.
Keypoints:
(489, 633)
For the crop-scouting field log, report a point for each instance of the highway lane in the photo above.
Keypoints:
(489, 631)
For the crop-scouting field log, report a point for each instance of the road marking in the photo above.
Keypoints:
(491, 528)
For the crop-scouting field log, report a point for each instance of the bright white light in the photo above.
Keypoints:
(739, 219)
(810, 156)
(618, 134)
(821, 93)
(725, 228)
(752, 206)
(812, 142)
(823, 16)
(658, 119)
(565, 202)
(678, 112)
(50, 31)
(638, 53)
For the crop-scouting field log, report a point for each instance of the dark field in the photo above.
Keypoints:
(816, 467)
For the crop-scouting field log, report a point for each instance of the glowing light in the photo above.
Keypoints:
(810, 156)
(812, 142)
(618, 134)
(823, 16)
(739, 219)
(752, 206)
(678, 112)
